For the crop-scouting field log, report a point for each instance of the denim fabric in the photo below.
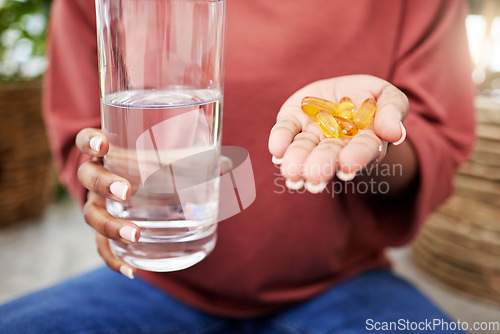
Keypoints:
(104, 302)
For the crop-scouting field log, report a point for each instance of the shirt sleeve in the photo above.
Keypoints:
(433, 68)
(71, 86)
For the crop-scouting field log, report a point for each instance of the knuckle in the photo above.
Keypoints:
(88, 212)
(287, 123)
(81, 171)
(96, 181)
(308, 137)
(328, 149)
(332, 143)
(300, 147)
(108, 227)
(291, 124)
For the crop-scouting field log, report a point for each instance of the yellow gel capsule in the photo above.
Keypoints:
(328, 124)
(346, 108)
(347, 127)
(312, 105)
(365, 113)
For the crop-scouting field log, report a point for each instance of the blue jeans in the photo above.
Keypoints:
(105, 302)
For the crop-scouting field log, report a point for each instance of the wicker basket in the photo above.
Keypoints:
(26, 171)
(460, 244)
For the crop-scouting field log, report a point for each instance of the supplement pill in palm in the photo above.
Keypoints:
(347, 127)
(328, 124)
(311, 105)
(346, 108)
(365, 113)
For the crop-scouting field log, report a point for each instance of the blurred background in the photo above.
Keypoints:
(43, 238)
(483, 32)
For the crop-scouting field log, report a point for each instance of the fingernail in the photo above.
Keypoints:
(277, 161)
(346, 176)
(315, 188)
(403, 135)
(95, 143)
(128, 233)
(294, 185)
(119, 189)
(127, 271)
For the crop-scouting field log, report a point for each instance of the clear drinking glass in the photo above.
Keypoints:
(161, 79)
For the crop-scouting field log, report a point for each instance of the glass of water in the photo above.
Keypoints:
(161, 78)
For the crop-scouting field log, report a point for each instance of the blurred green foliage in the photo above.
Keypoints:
(23, 28)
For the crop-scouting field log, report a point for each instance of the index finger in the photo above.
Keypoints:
(92, 142)
(282, 134)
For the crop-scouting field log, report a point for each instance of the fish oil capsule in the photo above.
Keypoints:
(328, 124)
(312, 105)
(346, 108)
(347, 127)
(365, 113)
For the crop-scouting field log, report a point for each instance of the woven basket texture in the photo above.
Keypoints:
(460, 243)
(26, 169)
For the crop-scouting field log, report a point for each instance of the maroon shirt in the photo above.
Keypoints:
(287, 247)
